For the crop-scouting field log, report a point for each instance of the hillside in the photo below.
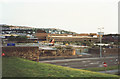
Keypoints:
(18, 67)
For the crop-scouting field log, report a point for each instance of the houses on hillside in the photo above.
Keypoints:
(47, 34)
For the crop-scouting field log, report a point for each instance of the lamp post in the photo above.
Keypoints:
(100, 34)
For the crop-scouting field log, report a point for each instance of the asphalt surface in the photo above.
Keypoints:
(110, 71)
(81, 63)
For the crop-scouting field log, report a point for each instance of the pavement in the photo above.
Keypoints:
(109, 71)
(81, 63)
(77, 59)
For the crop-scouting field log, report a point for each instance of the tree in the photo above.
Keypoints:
(17, 38)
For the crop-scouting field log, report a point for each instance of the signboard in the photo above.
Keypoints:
(105, 64)
(3, 54)
(100, 33)
(10, 44)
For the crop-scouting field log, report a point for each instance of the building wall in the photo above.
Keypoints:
(71, 39)
(105, 52)
(41, 36)
(111, 38)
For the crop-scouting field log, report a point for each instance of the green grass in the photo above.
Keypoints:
(18, 67)
(102, 68)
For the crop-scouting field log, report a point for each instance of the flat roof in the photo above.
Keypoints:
(73, 37)
(47, 48)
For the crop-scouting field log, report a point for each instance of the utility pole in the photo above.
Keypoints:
(100, 36)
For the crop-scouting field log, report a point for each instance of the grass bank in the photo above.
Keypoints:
(18, 67)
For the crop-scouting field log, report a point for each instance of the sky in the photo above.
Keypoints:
(81, 16)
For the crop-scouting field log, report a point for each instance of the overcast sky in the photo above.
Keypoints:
(81, 16)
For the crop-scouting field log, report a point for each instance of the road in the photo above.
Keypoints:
(81, 63)
(110, 71)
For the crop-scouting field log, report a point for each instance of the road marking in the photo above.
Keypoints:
(100, 65)
(95, 63)
(85, 61)
(85, 65)
(92, 63)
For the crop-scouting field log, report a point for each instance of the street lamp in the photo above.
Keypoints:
(100, 34)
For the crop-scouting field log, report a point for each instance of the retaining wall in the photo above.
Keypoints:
(33, 53)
